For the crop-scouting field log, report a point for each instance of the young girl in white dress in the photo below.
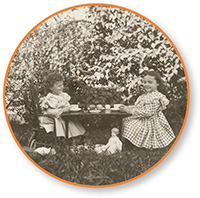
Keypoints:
(148, 127)
(55, 103)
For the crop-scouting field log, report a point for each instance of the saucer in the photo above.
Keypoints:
(94, 111)
(114, 109)
(75, 110)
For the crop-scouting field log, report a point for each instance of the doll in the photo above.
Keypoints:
(114, 144)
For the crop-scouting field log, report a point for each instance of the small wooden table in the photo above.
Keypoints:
(104, 113)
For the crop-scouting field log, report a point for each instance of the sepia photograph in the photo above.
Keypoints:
(96, 95)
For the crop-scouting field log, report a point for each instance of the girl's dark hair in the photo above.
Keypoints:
(158, 79)
(52, 78)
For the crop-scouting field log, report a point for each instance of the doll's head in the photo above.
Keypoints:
(114, 132)
(54, 83)
(152, 81)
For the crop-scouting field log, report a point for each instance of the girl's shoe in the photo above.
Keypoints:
(81, 140)
(72, 142)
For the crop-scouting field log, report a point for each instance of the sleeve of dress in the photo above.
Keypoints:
(145, 110)
(66, 98)
(163, 102)
(48, 102)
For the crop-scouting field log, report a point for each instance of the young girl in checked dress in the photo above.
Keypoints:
(55, 103)
(148, 127)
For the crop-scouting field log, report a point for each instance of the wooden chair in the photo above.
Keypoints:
(39, 136)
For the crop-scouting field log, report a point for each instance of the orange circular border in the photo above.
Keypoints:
(186, 114)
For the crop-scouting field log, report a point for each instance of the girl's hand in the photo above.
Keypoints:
(58, 112)
(66, 109)
(54, 112)
(128, 109)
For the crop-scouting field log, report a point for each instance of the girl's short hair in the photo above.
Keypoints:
(158, 79)
(156, 75)
(52, 78)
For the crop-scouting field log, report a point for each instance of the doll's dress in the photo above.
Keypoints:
(55, 102)
(148, 127)
(114, 145)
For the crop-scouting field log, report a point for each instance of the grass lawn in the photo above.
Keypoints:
(87, 167)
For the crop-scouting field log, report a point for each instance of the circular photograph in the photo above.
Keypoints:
(96, 95)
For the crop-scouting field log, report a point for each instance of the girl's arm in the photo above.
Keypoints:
(54, 112)
(147, 110)
(150, 108)
(66, 108)
(57, 112)
(127, 109)
(139, 111)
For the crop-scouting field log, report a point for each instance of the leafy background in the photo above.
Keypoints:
(102, 53)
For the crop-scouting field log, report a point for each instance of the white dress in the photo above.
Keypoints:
(55, 102)
(114, 145)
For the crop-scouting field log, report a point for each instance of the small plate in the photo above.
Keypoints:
(101, 109)
(95, 111)
(75, 110)
(114, 109)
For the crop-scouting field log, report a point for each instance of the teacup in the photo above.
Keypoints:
(107, 106)
(99, 107)
(74, 106)
(92, 107)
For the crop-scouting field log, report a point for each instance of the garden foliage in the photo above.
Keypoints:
(102, 57)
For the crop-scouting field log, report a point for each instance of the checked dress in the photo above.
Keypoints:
(148, 127)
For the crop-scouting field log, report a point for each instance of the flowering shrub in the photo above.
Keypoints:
(103, 55)
(86, 95)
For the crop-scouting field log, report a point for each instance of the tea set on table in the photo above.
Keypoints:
(96, 108)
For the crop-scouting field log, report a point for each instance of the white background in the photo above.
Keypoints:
(178, 175)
